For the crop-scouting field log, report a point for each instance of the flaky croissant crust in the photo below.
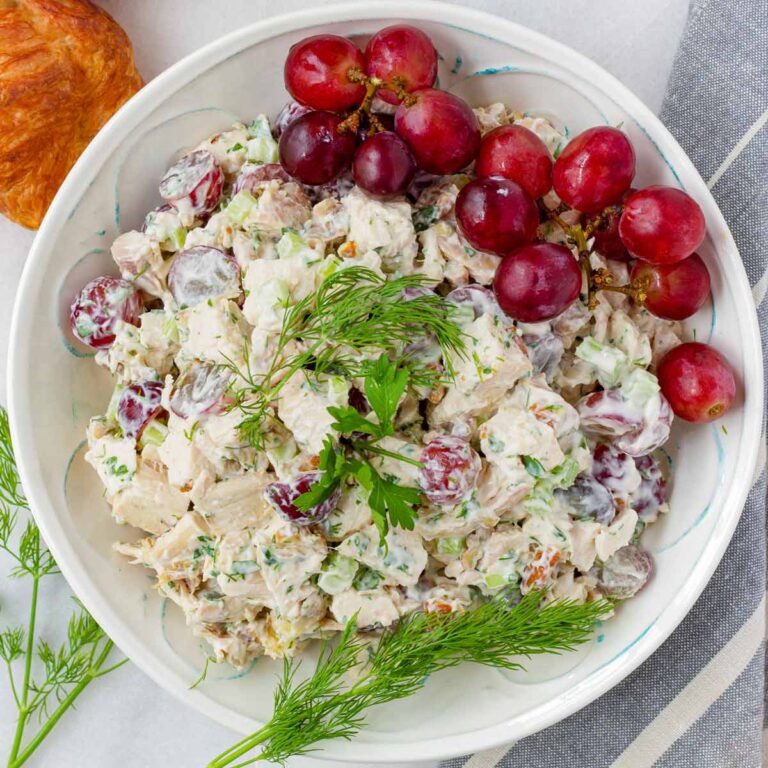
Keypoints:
(65, 68)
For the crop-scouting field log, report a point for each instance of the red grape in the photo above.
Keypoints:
(313, 150)
(614, 469)
(253, 174)
(675, 291)
(402, 55)
(316, 73)
(662, 225)
(287, 115)
(200, 273)
(281, 496)
(138, 404)
(518, 154)
(450, 469)
(383, 165)
(652, 492)
(200, 390)
(496, 215)
(194, 184)
(625, 572)
(440, 129)
(589, 499)
(607, 413)
(479, 298)
(607, 241)
(537, 282)
(595, 169)
(100, 305)
(698, 382)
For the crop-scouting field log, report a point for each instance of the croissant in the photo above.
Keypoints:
(65, 68)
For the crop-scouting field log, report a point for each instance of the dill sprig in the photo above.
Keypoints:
(353, 315)
(66, 670)
(332, 703)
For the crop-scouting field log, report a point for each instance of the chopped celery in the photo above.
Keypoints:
(609, 361)
(153, 434)
(176, 239)
(171, 328)
(240, 206)
(262, 149)
(290, 244)
(639, 386)
(328, 266)
(111, 413)
(539, 501)
(259, 127)
(563, 475)
(494, 580)
(452, 545)
(337, 574)
(338, 390)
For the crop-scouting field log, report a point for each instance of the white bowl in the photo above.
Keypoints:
(53, 390)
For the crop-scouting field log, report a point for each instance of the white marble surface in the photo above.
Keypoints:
(125, 720)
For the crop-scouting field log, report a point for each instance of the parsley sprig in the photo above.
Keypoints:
(66, 670)
(385, 383)
(332, 703)
(354, 314)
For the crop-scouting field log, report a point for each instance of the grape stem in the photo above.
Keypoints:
(599, 279)
(372, 84)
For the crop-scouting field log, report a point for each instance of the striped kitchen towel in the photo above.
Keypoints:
(698, 701)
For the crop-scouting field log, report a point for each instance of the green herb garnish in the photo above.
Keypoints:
(331, 704)
(353, 314)
(385, 383)
(81, 658)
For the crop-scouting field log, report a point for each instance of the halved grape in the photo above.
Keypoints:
(450, 469)
(652, 492)
(589, 499)
(479, 299)
(193, 185)
(383, 165)
(441, 130)
(253, 174)
(281, 496)
(595, 169)
(518, 154)
(313, 150)
(545, 353)
(317, 72)
(608, 413)
(626, 572)
(537, 282)
(698, 382)
(662, 225)
(200, 273)
(139, 403)
(401, 55)
(100, 305)
(200, 390)
(675, 291)
(615, 470)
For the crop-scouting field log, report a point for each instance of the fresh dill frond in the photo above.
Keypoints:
(353, 315)
(332, 702)
(65, 671)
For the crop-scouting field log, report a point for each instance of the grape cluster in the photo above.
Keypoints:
(329, 75)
